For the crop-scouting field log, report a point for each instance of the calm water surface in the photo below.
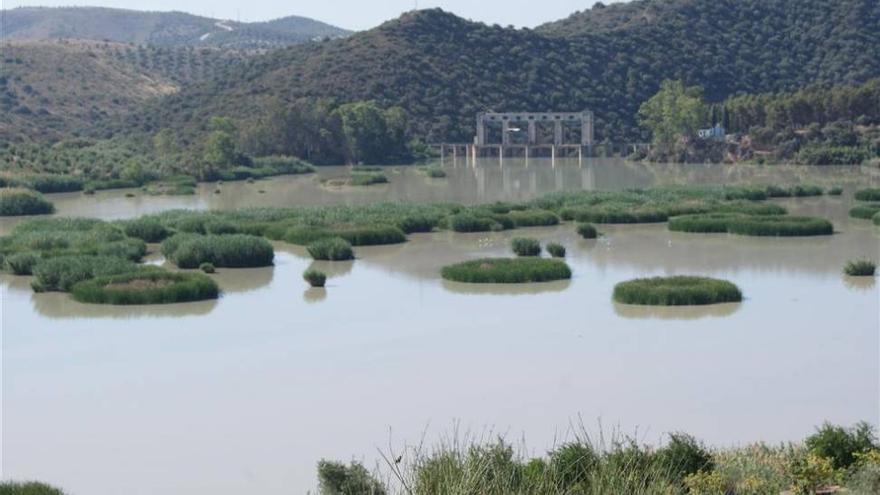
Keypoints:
(246, 394)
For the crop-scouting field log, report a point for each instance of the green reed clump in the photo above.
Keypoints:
(418, 223)
(507, 271)
(587, 231)
(676, 291)
(615, 214)
(774, 191)
(532, 218)
(747, 208)
(22, 263)
(469, 222)
(28, 488)
(706, 223)
(208, 268)
(18, 201)
(435, 172)
(357, 236)
(366, 168)
(368, 178)
(835, 191)
(315, 278)
(780, 226)
(146, 229)
(228, 251)
(62, 272)
(556, 250)
(860, 268)
(806, 190)
(146, 286)
(44, 183)
(331, 249)
(865, 211)
(868, 194)
(526, 247)
(335, 478)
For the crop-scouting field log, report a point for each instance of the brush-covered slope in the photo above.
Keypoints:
(443, 69)
(158, 28)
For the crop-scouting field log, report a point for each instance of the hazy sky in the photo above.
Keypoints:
(351, 14)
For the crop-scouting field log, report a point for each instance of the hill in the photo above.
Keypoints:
(55, 89)
(442, 70)
(167, 29)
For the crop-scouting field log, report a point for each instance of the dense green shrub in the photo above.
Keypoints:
(860, 268)
(781, 226)
(356, 236)
(683, 456)
(315, 278)
(526, 247)
(573, 463)
(835, 191)
(865, 211)
(676, 291)
(22, 263)
(556, 250)
(338, 479)
(61, 273)
(331, 249)
(146, 286)
(868, 195)
(602, 214)
(368, 178)
(44, 183)
(468, 222)
(27, 488)
(819, 154)
(17, 201)
(841, 445)
(747, 208)
(208, 268)
(146, 229)
(418, 223)
(706, 223)
(802, 191)
(435, 172)
(587, 231)
(507, 271)
(228, 251)
(533, 218)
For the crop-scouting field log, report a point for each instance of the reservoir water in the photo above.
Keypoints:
(247, 393)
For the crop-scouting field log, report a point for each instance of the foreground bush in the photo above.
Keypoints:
(526, 247)
(335, 478)
(146, 286)
(868, 194)
(331, 249)
(842, 445)
(587, 231)
(61, 273)
(315, 278)
(507, 271)
(676, 291)
(865, 211)
(227, 251)
(860, 268)
(556, 250)
(17, 201)
(28, 488)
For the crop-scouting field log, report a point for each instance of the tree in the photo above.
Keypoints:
(219, 153)
(366, 132)
(674, 114)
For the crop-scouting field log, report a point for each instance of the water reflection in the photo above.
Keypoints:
(314, 295)
(333, 269)
(861, 284)
(506, 289)
(242, 280)
(635, 312)
(58, 306)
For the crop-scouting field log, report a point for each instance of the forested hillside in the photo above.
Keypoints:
(53, 90)
(158, 28)
(442, 70)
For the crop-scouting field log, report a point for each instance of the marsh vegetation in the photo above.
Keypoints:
(507, 271)
(676, 291)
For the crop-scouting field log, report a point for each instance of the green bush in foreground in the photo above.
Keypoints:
(18, 201)
(315, 278)
(676, 291)
(842, 445)
(146, 286)
(335, 478)
(868, 194)
(61, 273)
(228, 251)
(865, 211)
(587, 231)
(556, 250)
(27, 488)
(331, 249)
(526, 247)
(860, 268)
(507, 271)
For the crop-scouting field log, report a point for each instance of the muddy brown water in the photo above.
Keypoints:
(247, 393)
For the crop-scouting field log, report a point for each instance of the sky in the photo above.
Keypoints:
(349, 14)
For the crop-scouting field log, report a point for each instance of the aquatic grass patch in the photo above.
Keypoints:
(780, 226)
(207, 268)
(469, 222)
(434, 172)
(532, 218)
(418, 223)
(868, 194)
(676, 291)
(19, 201)
(146, 229)
(367, 178)
(615, 214)
(526, 246)
(331, 249)
(707, 223)
(835, 191)
(62, 272)
(807, 190)
(587, 231)
(556, 250)
(376, 235)
(865, 211)
(860, 268)
(227, 251)
(22, 263)
(507, 271)
(44, 183)
(746, 208)
(146, 286)
(315, 278)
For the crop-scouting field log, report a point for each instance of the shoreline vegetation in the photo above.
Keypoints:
(834, 459)
(61, 253)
